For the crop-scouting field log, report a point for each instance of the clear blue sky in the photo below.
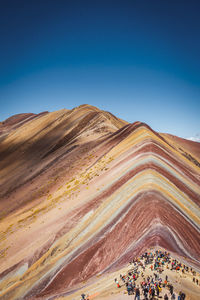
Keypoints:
(139, 59)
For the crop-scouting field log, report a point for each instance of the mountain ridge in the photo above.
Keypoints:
(96, 181)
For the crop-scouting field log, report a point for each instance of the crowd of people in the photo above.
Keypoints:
(156, 284)
(151, 286)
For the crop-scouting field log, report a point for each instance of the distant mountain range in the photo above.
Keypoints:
(82, 192)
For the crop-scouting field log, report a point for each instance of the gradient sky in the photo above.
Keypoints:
(139, 59)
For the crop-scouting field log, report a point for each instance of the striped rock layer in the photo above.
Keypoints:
(83, 192)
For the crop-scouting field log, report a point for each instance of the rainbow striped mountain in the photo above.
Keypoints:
(82, 192)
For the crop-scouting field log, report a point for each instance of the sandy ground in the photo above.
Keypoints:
(103, 287)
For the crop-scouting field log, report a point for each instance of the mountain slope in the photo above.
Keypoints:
(84, 192)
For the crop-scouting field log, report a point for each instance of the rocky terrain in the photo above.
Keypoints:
(82, 192)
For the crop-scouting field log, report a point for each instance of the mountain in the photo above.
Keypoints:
(82, 192)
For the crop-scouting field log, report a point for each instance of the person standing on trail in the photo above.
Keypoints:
(171, 288)
(153, 292)
(117, 283)
(137, 293)
(182, 296)
(158, 291)
(122, 278)
(129, 288)
(145, 292)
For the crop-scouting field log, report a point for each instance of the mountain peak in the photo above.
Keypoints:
(100, 190)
